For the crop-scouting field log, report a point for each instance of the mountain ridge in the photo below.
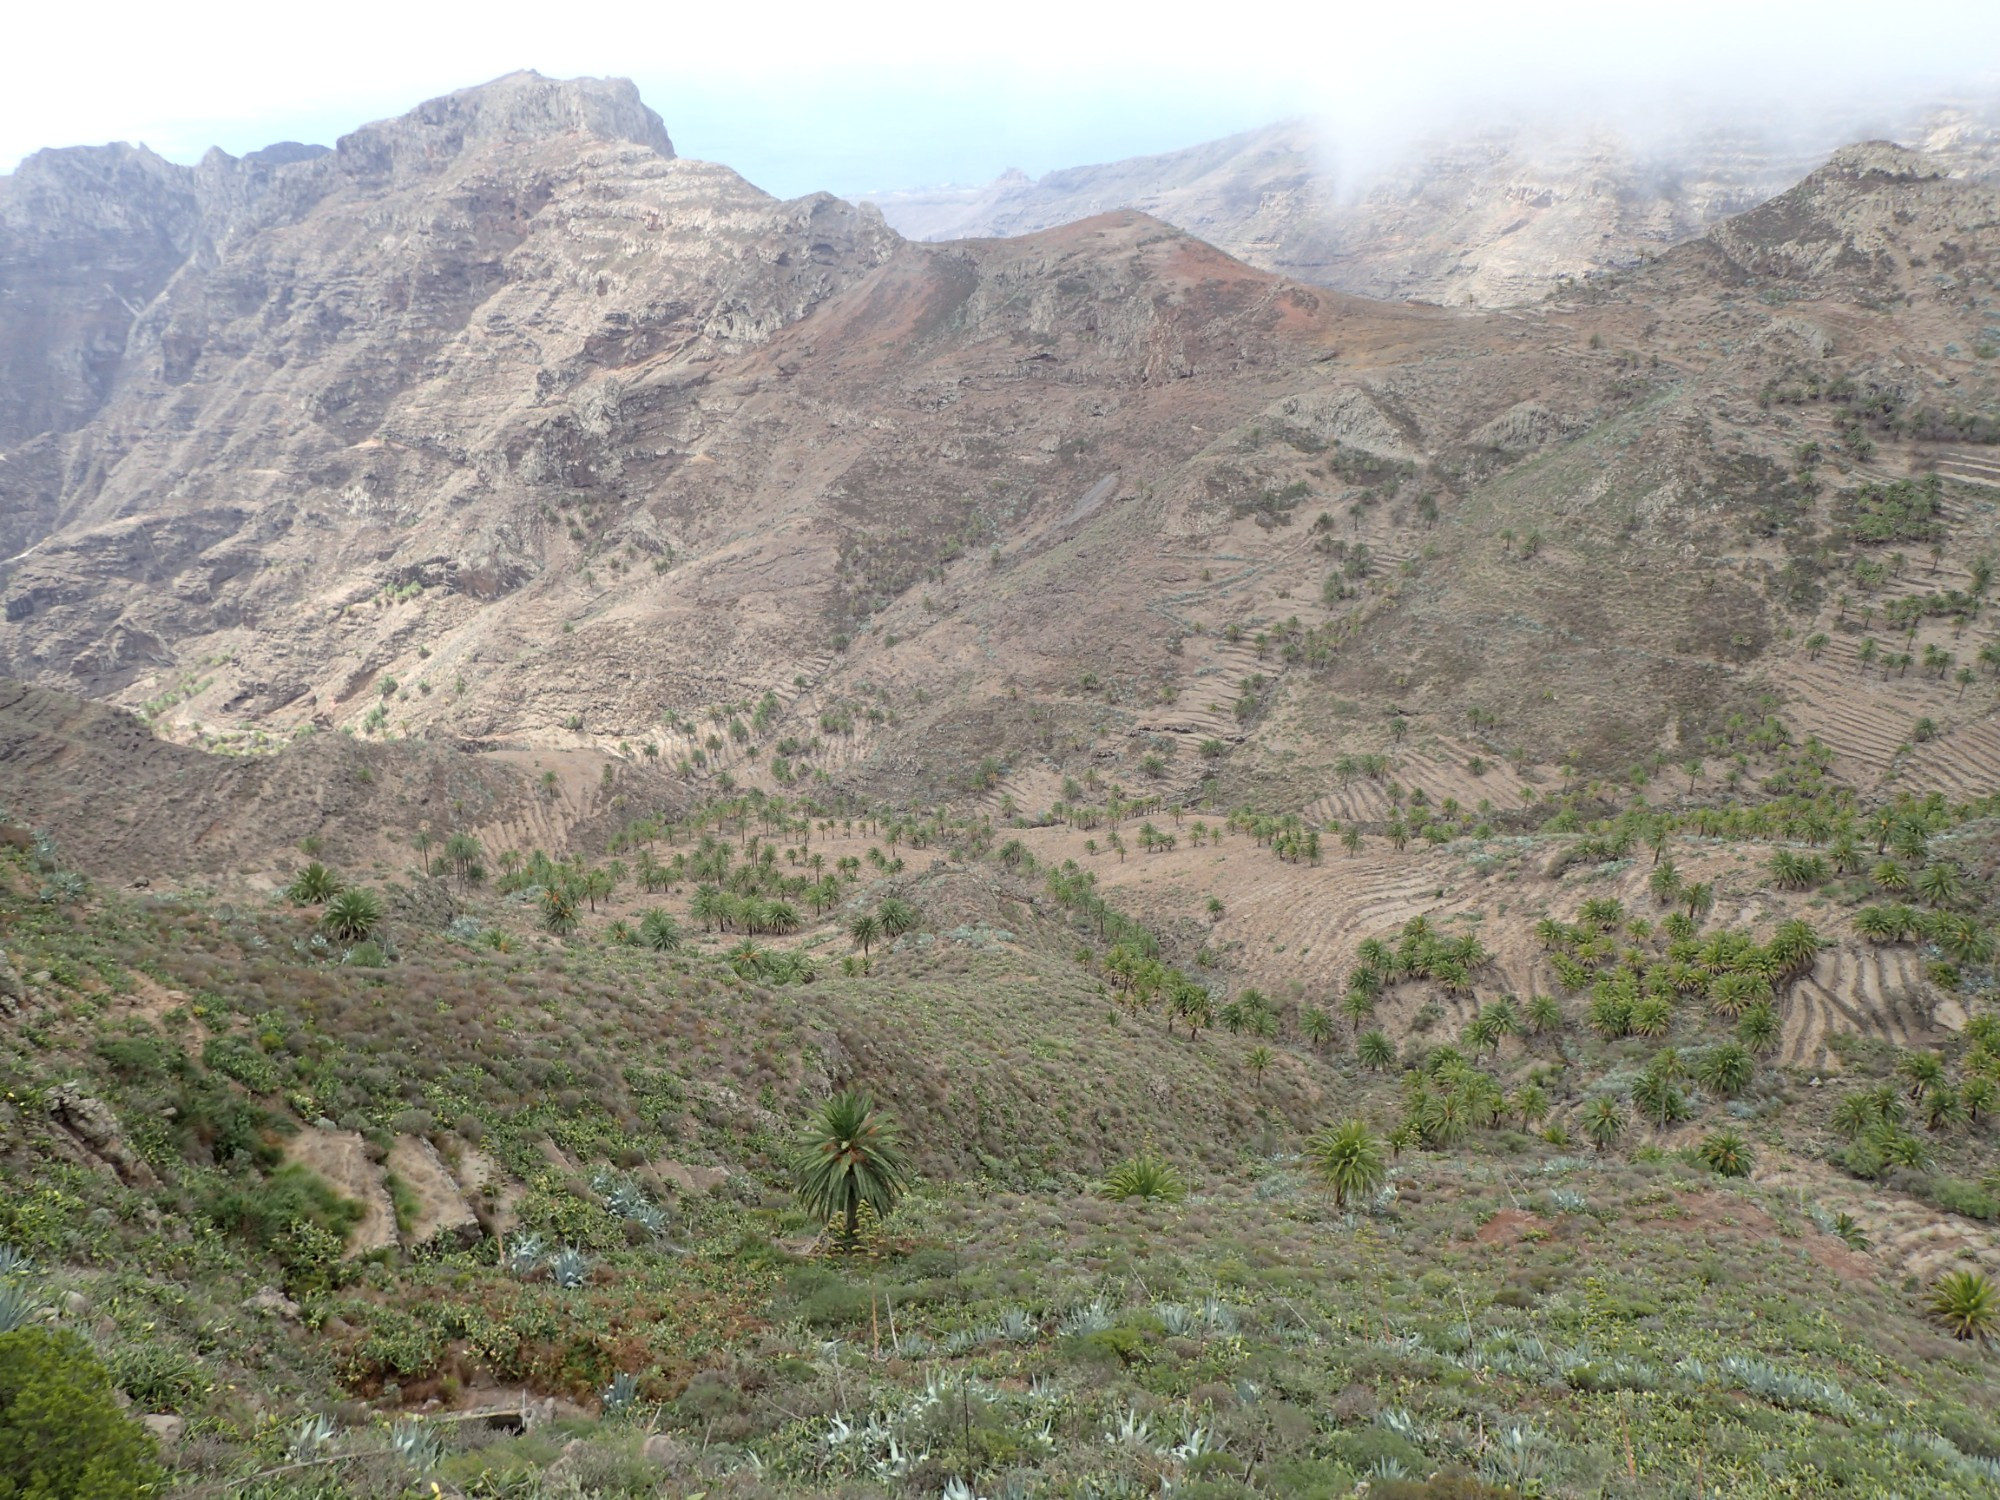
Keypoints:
(1490, 216)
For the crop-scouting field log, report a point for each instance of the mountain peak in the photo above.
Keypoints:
(515, 107)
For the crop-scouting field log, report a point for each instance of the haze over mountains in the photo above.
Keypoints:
(1489, 214)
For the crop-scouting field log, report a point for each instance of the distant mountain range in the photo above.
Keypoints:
(1492, 216)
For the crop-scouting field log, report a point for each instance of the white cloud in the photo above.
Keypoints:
(877, 94)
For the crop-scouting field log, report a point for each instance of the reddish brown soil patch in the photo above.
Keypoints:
(1509, 1227)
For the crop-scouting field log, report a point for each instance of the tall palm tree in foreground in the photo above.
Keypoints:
(850, 1155)
(1348, 1159)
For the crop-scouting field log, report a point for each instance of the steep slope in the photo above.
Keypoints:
(1489, 216)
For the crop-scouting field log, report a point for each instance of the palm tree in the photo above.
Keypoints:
(1967, 1304)
(1603, 1121)
(1796, 947)
(1348, 1159)
(1944, 1108)
(1921, 1071)
(1316, 1026)
(850, 1155)
(1531, 1103)
(1258, 1059)
(659, 931)
(1726, 1153)
(1879, 924)
(709, 905)
(1758, 1027)
(1939, 883)
(1665, 883)
(1146, 1178)
(1357, 1005)
(462, 852)
(864, 929)
(896, 916)
(1660, 1097)
(1978, 1094)
(1544, 1014)
(352, 915)
(1699, 899)
(1727, 1069)
(315, 885)
(558, 911)
(1375, 1051)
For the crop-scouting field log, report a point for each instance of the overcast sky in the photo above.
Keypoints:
(799, 97)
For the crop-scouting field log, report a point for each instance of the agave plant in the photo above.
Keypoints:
(1130, 1430)
(416, 1445)
(13, 1262)
(1093, 1316)
(1199, 1442)
(1516, 1458)
(19, 1306)
(620, 1394)
(309, 1436)
(569, 1267)
(523, 1254)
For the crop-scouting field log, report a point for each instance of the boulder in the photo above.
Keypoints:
(93, 1125)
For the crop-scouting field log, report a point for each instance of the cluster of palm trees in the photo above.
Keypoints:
(1287, 835)
(891, 918)
(461, 857)
(1141, 982)
(1638, 973)
(1940, 884)
(714, 907)
(1874, 1120)
(353, 913)
(1421, 951)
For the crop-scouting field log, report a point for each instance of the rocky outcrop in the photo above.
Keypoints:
(90, 1122)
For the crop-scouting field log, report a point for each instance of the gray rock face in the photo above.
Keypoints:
(92, 1123)
(399, 335)
(90, 236)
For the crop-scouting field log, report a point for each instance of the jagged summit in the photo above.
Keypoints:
(517, 107)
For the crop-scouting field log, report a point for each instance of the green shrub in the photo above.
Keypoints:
(62, 1436)
(1363, 1447)
(1127, 1342)
(235, 1058)
(825, 1300)
(296, 1217)
(139, 1057)
(1956, 1196)
(157, 1377)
